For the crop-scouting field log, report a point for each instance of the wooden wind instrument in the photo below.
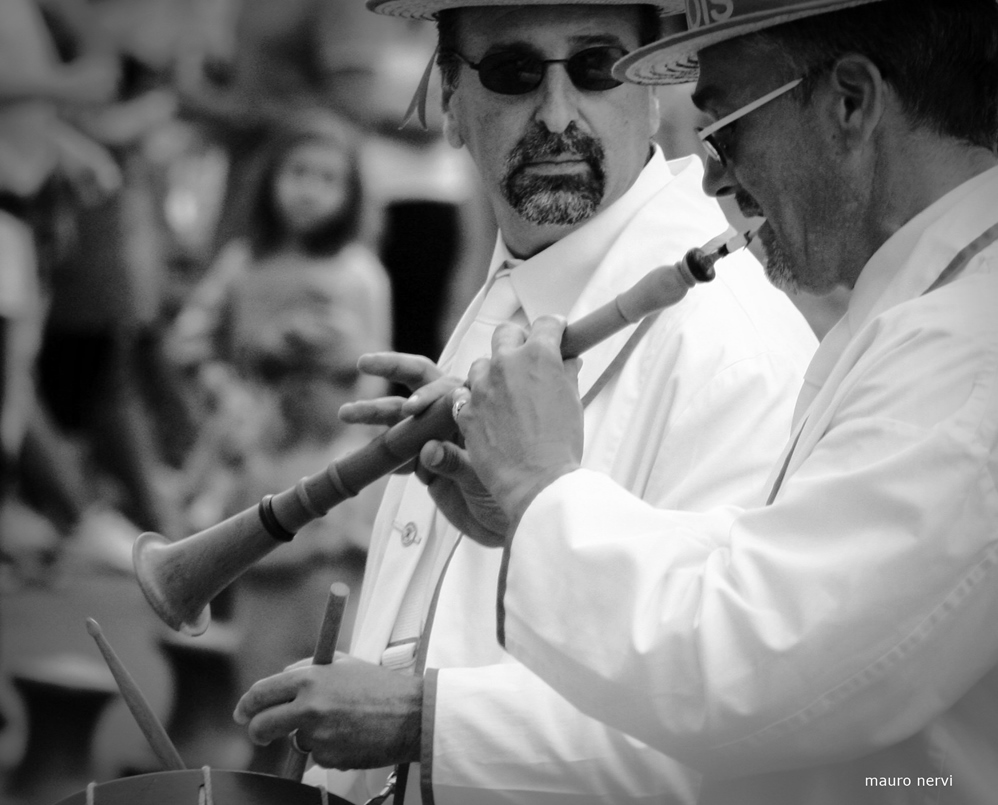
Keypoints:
(180, 578)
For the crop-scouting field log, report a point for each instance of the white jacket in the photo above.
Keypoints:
(840, 645)
(696, 416)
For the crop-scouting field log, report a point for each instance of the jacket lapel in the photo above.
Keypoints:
(389, 575)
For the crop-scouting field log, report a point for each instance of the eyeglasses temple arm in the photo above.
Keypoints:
(706, 131)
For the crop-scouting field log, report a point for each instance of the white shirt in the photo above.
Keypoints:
(838, 646)
(697, 414)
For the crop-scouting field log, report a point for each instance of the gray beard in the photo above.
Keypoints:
(556, 200)
(779, 268)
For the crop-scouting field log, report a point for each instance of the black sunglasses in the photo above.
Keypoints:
(514, 72)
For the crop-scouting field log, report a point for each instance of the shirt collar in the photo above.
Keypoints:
(552, 280)
(891, 276)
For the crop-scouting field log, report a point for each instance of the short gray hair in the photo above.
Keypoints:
(940, 57)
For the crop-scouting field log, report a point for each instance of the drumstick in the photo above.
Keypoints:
(143, 714)
(325, 650)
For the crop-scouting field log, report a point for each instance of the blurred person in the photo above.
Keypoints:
(688, 409)
(37, 90)
(275, 293)
(428, 225)
(36, 145)
(273, 333)
(270, 67)
(27, 539)
(48, 166)
(100, 350)
(829, 642)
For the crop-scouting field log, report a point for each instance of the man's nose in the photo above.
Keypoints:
(717, 179)
(559, 99)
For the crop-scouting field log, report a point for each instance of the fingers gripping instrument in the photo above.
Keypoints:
(180, 578)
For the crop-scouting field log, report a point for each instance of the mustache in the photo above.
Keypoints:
(747, 205)
(539, 143)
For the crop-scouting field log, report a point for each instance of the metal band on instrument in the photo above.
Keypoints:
(270, 522)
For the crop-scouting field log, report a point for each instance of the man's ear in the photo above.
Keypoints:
(451, 129)
(860, 94)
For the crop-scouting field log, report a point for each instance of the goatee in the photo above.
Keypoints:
(559, 200)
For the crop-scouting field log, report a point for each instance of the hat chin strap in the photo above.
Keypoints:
(417, 106)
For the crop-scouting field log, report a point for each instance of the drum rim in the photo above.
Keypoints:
(226, 778)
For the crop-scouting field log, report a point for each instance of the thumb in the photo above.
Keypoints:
(446, 459)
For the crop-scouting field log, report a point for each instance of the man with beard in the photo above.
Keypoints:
(835, 641)
(688, 415)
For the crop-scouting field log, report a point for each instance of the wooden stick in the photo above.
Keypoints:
(141, 711)
(325, 650)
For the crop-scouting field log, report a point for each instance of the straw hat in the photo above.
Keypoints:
(428, 9)
(673, 60)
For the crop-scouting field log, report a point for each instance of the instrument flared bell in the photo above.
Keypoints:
(179, 579)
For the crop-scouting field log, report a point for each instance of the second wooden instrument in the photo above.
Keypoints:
(180, 578)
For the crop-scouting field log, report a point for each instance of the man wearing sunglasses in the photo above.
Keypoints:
(686, 415)
(834, 642)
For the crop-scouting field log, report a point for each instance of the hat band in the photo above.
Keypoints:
(417, 106)
(704, 13)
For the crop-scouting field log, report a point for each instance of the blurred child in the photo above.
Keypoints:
(273, 333)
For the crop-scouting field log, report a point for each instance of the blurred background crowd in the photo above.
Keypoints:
(208, 211)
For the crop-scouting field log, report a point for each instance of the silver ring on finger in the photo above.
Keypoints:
(297, 746)
(459, 403)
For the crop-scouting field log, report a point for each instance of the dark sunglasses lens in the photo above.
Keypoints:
(590, 69)
(519, 73)
(511, 73)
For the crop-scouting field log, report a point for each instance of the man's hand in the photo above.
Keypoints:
(351, 714)
(460, 495)
(416, 372)
(522, 424)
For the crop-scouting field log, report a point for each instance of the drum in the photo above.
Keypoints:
(204, 786)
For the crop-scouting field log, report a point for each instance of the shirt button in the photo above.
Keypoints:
(410, 534)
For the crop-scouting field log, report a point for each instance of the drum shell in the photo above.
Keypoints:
(183, 787)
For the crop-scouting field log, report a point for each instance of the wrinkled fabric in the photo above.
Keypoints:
(837, 646)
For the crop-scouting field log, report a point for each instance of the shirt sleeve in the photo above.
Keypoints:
(837, 621)
(500, 733)
(536, 747)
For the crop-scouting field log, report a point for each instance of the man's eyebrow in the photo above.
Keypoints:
(596, 39)
(580, 41)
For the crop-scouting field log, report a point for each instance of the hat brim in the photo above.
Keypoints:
(428, 9)
(673, 60)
